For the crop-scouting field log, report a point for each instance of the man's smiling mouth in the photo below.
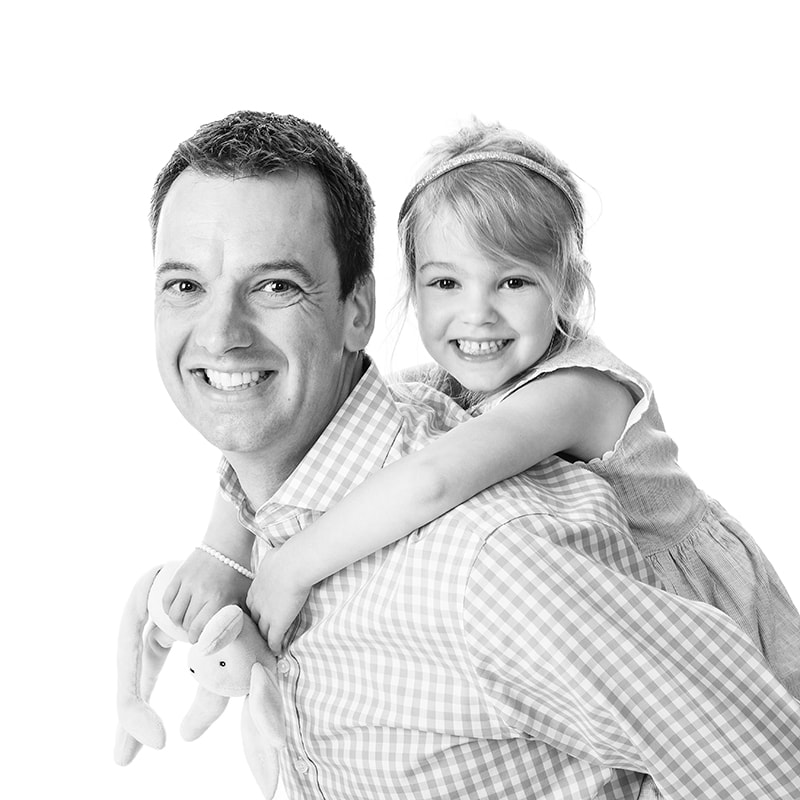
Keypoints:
(233, 381)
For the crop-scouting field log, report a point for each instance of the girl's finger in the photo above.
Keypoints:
(178, 607)
(199, 622)
(195, 605)
(170, 593)
(275, 639)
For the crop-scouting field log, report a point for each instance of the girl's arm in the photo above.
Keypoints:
(577, 412)
(203, 584)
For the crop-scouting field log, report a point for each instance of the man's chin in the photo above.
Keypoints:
(237, 440)
(228, 432)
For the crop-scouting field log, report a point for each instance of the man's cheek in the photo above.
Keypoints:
(322, 329)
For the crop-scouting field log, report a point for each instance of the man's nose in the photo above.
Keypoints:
(223, 325)
(479, 308)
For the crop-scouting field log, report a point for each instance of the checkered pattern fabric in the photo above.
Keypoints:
(516, 647)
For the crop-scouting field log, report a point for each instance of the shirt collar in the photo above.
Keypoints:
(356, 443)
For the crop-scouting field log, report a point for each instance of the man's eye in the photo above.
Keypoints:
(278, 286)
(181, 286)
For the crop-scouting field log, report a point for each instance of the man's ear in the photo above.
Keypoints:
(360, 314)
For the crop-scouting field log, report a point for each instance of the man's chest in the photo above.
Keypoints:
(381, 643)
(381, 697)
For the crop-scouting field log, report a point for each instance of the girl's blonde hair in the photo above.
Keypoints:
(513, 215)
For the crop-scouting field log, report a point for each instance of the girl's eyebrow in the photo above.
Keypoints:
(438, 265)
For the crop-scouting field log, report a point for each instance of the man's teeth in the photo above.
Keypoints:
(473, 348)
(232, 381)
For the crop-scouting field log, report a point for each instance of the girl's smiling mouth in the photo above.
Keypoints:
(484, 347)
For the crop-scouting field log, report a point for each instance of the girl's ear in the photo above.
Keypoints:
(360, 314)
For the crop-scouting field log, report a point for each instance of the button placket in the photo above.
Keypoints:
(286, 668)
(301, 766)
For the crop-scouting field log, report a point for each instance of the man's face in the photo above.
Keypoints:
(252, 340)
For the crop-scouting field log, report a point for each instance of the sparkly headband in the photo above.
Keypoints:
(496, 155)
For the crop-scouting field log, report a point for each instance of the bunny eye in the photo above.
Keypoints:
(222, 663)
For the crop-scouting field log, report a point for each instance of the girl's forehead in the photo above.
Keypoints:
(444, 234)
(443, 227)
(462, 258)
(446, 240)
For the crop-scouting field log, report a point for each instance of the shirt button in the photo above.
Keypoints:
(301, 765)
(283, 666)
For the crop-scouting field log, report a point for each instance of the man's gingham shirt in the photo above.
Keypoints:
(516, 647)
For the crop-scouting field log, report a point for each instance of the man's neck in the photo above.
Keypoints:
(263, 472)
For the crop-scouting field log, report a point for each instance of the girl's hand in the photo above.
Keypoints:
(278, 593)
(201, 587)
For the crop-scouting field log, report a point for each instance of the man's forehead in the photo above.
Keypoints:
(282, 209)
(198, 192)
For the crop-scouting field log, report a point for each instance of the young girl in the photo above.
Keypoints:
(492, 238)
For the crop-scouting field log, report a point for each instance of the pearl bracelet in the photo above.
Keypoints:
(225, 560)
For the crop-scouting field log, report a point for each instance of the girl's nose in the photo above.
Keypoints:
(223, 326)
(479, 309)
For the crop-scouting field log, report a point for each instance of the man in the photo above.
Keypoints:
(510, 649)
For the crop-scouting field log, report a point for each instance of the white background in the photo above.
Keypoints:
(682, 116)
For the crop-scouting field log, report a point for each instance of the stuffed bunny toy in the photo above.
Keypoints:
(230, 659)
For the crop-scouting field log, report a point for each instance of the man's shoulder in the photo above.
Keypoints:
(555, 489)
(554, 495)
(555, 504)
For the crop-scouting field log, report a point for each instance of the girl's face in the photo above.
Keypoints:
(483, 322)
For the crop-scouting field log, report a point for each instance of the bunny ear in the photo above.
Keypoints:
(139, 661)
(221, 630)
(265, 706)
(207, 707)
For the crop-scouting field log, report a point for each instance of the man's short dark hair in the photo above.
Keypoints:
(254, 144)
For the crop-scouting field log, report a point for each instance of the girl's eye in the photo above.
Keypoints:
(517, 283)
(443, 283)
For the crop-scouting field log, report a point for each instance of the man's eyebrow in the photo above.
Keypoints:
(296, 268)
(282, 265)
(175, 266)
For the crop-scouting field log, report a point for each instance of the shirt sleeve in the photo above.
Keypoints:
(621, 674)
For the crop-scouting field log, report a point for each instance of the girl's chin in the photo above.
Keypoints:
(485, 385)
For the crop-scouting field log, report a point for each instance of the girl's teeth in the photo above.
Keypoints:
(472, 348)
(232, 381)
